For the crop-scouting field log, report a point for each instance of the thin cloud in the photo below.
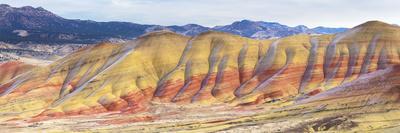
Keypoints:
(338, 13)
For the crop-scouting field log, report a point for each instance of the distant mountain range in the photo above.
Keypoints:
(37, 25)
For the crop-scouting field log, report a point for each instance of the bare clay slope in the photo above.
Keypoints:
(213, 68)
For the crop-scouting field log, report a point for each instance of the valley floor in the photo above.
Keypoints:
(262, 118)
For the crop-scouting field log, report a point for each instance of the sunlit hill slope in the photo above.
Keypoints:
(211, 69)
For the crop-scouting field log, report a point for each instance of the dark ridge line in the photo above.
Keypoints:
(264, 84)
(354, 52)
(19, 80)
(14, 73)
(267, 60)
(330, 50)
(343, 88)
(329, 55)
(60, 64)
(117, 55)
(241, 60)
(55, 69)
(188, 81)
(270, 53)
(71, 73)
(259, 57)
(86, 74)
(370, 53)
(161, 83)
(188, 71)
(333, 73)
(220, 75)
(63, 96)
(212, 59)
(382, 60)
(312, 57)
(181, 91)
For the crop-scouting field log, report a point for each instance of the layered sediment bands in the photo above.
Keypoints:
(241, 63)
(58, 66)
(210, 69)
(332, 52)
(383, 59)
(164, 78)
(317, 73)
(116, 56)
(15, 84)
(266, 61)
(12, 69)
(311, 61)
(354, 52)
(261, 71)
(188, 80)
(220, 76)
(369, 55)
(95, 90)
(372, 88)
(212, 61)
(72, 72)
(263, 85)
(331, 74)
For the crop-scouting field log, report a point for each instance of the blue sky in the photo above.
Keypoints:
(333, 13)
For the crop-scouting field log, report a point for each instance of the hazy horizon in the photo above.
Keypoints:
(311, 13)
